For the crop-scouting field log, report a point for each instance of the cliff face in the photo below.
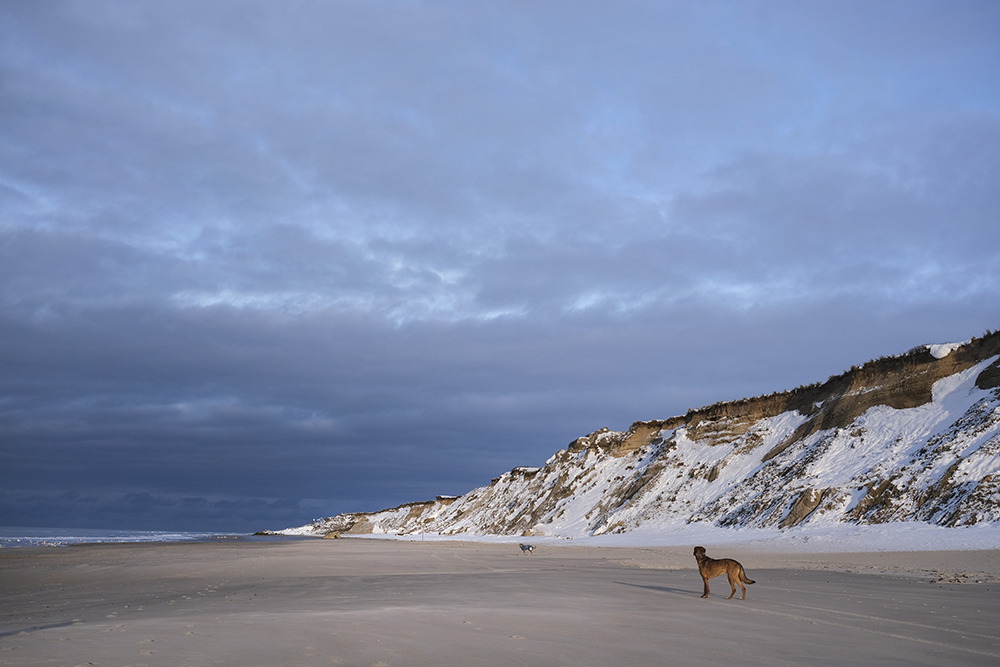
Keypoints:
(913, 437)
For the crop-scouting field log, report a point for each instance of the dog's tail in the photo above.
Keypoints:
(745, 579)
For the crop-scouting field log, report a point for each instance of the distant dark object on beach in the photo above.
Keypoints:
(526, 548)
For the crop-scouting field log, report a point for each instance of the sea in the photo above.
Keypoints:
(20, 536)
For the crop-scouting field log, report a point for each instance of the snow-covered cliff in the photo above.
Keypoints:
(908, 438)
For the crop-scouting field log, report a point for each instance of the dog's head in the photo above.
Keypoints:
(699, 551)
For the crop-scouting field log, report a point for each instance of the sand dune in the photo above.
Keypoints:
(393, 603)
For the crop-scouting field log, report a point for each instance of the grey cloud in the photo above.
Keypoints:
(362, 254)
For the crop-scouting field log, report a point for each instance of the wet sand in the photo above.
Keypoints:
(393, 603)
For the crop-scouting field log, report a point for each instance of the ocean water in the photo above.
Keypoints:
(19, 536)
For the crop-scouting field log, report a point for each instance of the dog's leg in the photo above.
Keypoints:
(705, 579)
(736, 579)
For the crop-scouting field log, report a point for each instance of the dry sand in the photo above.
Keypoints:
(394, 603)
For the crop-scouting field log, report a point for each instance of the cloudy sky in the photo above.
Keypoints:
(262, 262)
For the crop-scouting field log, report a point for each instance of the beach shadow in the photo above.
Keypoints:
(662, 589)
(35, 628)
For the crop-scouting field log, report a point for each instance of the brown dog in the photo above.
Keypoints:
(709, 567)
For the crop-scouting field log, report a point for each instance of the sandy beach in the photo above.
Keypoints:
(393, 603)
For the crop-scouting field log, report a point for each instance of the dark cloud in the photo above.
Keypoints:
(260, 263)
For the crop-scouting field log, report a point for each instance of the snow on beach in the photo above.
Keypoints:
(847, 538)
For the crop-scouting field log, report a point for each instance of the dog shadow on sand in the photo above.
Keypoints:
(662, 589)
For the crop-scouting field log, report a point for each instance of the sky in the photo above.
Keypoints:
(263, 262)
